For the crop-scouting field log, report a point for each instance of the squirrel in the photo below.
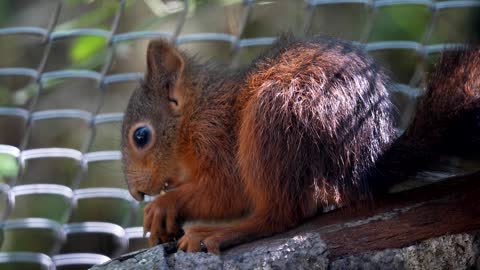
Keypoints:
(307, 126)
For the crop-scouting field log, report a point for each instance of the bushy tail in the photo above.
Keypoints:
(447, 120)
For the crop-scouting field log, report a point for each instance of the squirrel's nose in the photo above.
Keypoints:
(137, 195)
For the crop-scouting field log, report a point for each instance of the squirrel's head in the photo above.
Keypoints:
(151, 122)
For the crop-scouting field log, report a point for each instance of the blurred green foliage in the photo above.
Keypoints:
(5, 97)
(8, 167)
(97, 16)
(5, 7)
(192, 4)
(402, 22)
(87, 51)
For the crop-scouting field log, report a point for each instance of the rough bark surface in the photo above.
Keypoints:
(459, 251)
(434, 227)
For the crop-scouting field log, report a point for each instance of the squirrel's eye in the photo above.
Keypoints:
(141, 136)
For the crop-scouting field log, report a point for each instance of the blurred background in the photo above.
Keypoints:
(67, 69)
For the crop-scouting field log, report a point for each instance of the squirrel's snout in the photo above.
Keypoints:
(137, 195)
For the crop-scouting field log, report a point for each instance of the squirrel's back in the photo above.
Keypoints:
(315, 117)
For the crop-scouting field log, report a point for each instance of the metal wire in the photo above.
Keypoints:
(84, 159)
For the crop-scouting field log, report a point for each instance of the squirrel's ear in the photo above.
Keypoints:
(165, 65)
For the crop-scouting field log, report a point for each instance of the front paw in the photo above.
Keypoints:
(199, 238)
(160, 219)
(190, 242)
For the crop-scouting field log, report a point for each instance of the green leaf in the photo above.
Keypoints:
(8, 166)
(85, 47)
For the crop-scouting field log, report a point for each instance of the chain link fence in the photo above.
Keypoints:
(63, 198)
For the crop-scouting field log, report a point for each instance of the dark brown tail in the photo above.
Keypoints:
(447, 120)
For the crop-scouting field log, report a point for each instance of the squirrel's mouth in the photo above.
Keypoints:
(170, 183)
(165, 186)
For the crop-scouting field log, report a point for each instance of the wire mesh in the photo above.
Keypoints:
(72, 233)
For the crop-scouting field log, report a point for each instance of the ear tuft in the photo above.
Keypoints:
(163, 59)
(165, 66)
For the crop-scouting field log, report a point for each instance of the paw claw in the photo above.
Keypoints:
(199, 239)
(181, 244)
(160, 212)
(152, 241)
(212, 246)
(203, 247)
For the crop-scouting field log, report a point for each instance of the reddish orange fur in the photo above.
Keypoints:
(300, 130)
